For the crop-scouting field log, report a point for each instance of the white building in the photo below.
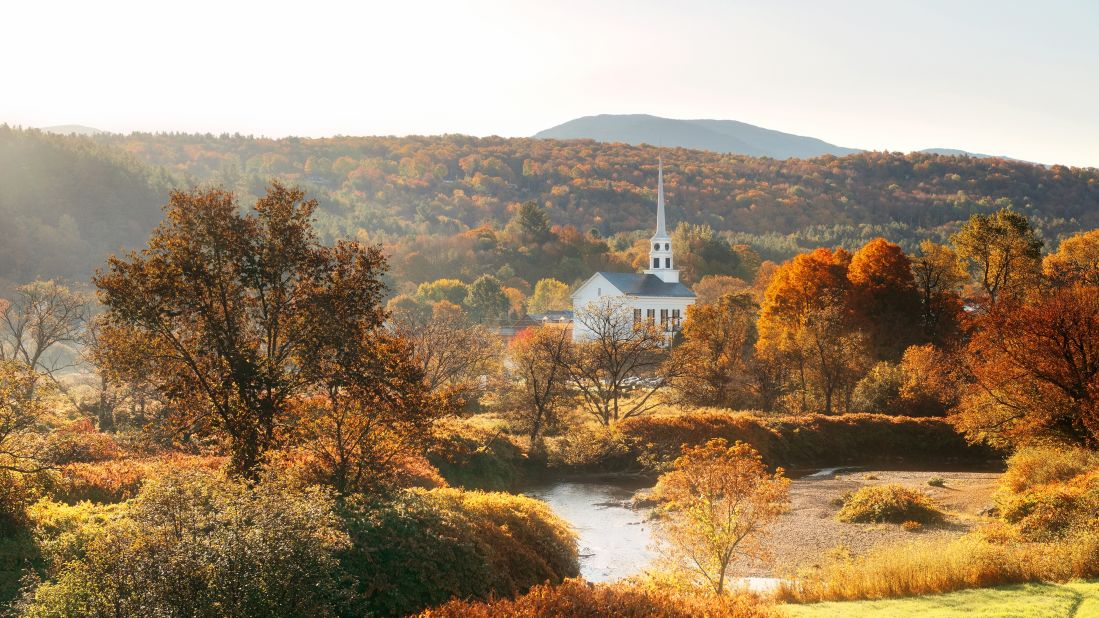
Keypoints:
(655, 295)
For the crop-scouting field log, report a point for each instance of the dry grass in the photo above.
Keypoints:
(973, 561)
(576, 598)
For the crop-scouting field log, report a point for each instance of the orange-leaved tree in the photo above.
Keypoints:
(805, 326)
(883, 298)
(1035, 367)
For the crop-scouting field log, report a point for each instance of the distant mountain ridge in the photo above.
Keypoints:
(72, 129)
(725, 136)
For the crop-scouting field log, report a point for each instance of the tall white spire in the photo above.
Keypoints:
(660, 254)
(661, 231)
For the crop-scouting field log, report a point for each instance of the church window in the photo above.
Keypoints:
(651, 315)
(664, 319)
(656, 247)
(656, 262)
(636, 316)
(667, 246)
(675, 319)
(667, 262)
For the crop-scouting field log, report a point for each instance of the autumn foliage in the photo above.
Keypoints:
(579, 599)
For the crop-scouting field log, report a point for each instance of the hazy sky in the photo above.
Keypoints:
(1013, 78)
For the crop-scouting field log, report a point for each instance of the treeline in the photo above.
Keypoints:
(440, 205)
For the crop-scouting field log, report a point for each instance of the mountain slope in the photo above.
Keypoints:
(71, 129)
(440, 205)
(726, 136)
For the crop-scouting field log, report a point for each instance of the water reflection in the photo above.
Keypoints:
(615, 540)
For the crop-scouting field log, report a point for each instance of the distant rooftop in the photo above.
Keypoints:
(642, 284)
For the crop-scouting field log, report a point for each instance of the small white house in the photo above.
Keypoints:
(655, 295)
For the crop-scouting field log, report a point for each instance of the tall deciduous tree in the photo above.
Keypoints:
(832, 355)
(371, 411)
(1075, 261)
(43, 317)
(797, 287)
(537, 359)
(486, 299)
(884, 300)
(805, 326)
(716, 351)
(1036, 371)
(939, 276)
(239, 313)
(457, 357)
(1003, 252)
(716, 504)
(549, 295)
(620, 366)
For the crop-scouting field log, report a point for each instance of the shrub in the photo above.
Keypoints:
(591, 447)
(427, 546)
(474, 457)
(889, 503)
(17, 492)
(81, 442)
(576, 598)
(912, 526)
(1055, 509)
(1038, 465)
(802, 441)
(402, 471)
(121, 479)
(937, 481)
(1048, 492)
(192, 544)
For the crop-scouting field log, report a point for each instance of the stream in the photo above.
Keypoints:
(615, 540)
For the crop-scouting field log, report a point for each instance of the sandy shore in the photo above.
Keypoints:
(810, 529)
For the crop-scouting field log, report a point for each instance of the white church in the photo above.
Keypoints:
(655, 295)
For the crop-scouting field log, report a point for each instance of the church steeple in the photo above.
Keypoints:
(661, 231)
(660, 252)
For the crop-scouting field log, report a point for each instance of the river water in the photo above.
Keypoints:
(615, 541)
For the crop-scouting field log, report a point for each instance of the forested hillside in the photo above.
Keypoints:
(441, 204)
(65, 203)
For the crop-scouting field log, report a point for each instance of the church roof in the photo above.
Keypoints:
(641, 284)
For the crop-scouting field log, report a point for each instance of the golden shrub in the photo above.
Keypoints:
(889, 503)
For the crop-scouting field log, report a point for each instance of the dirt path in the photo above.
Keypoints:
(810, 528)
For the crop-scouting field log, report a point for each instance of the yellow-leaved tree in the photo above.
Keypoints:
(717, 502)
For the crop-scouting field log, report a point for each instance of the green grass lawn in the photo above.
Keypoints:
(1072, 600)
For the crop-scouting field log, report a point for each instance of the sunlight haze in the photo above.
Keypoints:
(1000, 78)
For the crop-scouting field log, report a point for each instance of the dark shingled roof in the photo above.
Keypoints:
(640, 284)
